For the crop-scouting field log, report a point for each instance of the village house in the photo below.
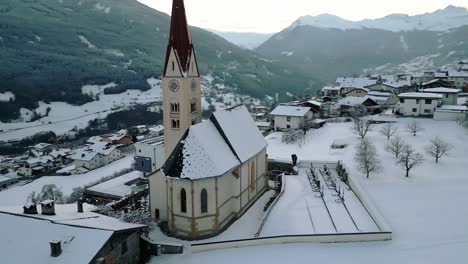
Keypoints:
(285, 117)
(119, 138)
(65, 235)
(449, 95)
(36, 166)
(347, 104)
(381, 87)
(459, 78)
(419, 78)
(357, 92)
(384, 98)
(149, 155)
(418, 104)
(436, 83)
(214, 170)
(96, 155)
(116, 189)
(332, 92)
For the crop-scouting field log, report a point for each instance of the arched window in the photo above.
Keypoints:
(173, 66)
(183, 201)
(193, 105)
(253, 176)
(204, 201)
(175, 108)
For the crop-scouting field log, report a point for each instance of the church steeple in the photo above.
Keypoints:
(181, 81)
(179, 39)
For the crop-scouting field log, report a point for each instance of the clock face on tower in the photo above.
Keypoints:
(193, 85)
(174, 85)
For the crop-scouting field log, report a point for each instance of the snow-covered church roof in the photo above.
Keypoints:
(216, 146)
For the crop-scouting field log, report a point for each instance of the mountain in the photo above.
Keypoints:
(51, 48)
(440, 20)
(248, 40)
(327, 52)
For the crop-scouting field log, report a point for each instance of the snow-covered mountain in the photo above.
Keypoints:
(440, 20)
(248, 40)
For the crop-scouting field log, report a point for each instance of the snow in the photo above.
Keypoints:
(286, 110)
(287, 53)
(241, 132)
(427, 212)
(441, 20)
(85, 41)
(117, 186)
(7, 96)
(452, 108)
(353, 100)
(26, 240)
(117, 53)
(358, 82)
(404, 44)
(441, 90)
(420, 95)
(63, 117)
(95, 90)
(205, 153)
(18, 195)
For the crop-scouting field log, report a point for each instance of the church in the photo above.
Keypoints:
(214, 170)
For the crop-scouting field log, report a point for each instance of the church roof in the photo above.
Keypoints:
(179, 37)
(216, 146)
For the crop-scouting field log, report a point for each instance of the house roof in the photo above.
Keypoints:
(26, 240)
(331, 88)
(452, 108)
(118, 186)
(286, 110)
(354, 100)
(216, 146)
(42, 145)
(355, 82)
(420, 95)
(441, 90)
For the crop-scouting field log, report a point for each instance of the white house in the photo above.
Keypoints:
(96, 155)
(332, 91)
(418, 104)
(149, 154)
(449, 95)
(451, 113)
(291, 117)
(459, 78)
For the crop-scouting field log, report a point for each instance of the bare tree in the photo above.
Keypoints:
(366, 157)
(362, 126)
(396, 146)
(437, 148)
(410, 159)
(388, 130)
(414, 127)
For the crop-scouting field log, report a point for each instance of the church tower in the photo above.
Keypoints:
(180, 82)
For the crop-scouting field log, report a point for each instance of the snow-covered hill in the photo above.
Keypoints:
(440, 20)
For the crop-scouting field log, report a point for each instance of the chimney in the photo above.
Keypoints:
(30, 208)
(48, 207)
(55, 248)
(80, 205)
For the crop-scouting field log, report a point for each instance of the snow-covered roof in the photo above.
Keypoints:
(88, 153)
(26, 240)
(452, 108)
(66, 214)
(42, 145)
(94, 139)
(205, 153)
(152, 141)
(118, 186)
(263, 124)
(420, 95)
(241, 131)
(379, 94)
(156, 129)
(455, 73)
(59, 152)
(314, 102)
(331, 88)
(441, 90)
(286, 110)
(4, 178)
(353, 100)
(216, 146)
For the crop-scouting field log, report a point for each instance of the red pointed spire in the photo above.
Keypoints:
(179, 37)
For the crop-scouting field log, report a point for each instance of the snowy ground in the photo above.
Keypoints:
(63, 117)
(302, 211)
(427, 212)
(17, 196)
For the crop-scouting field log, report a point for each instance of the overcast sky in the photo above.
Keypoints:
(275, 15)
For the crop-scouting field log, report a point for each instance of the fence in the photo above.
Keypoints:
(267, 213)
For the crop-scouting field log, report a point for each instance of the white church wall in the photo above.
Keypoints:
(158, 198)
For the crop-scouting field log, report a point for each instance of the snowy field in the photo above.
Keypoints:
(63, 117)
(427, 211)
(301, 210)
(17, 196)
